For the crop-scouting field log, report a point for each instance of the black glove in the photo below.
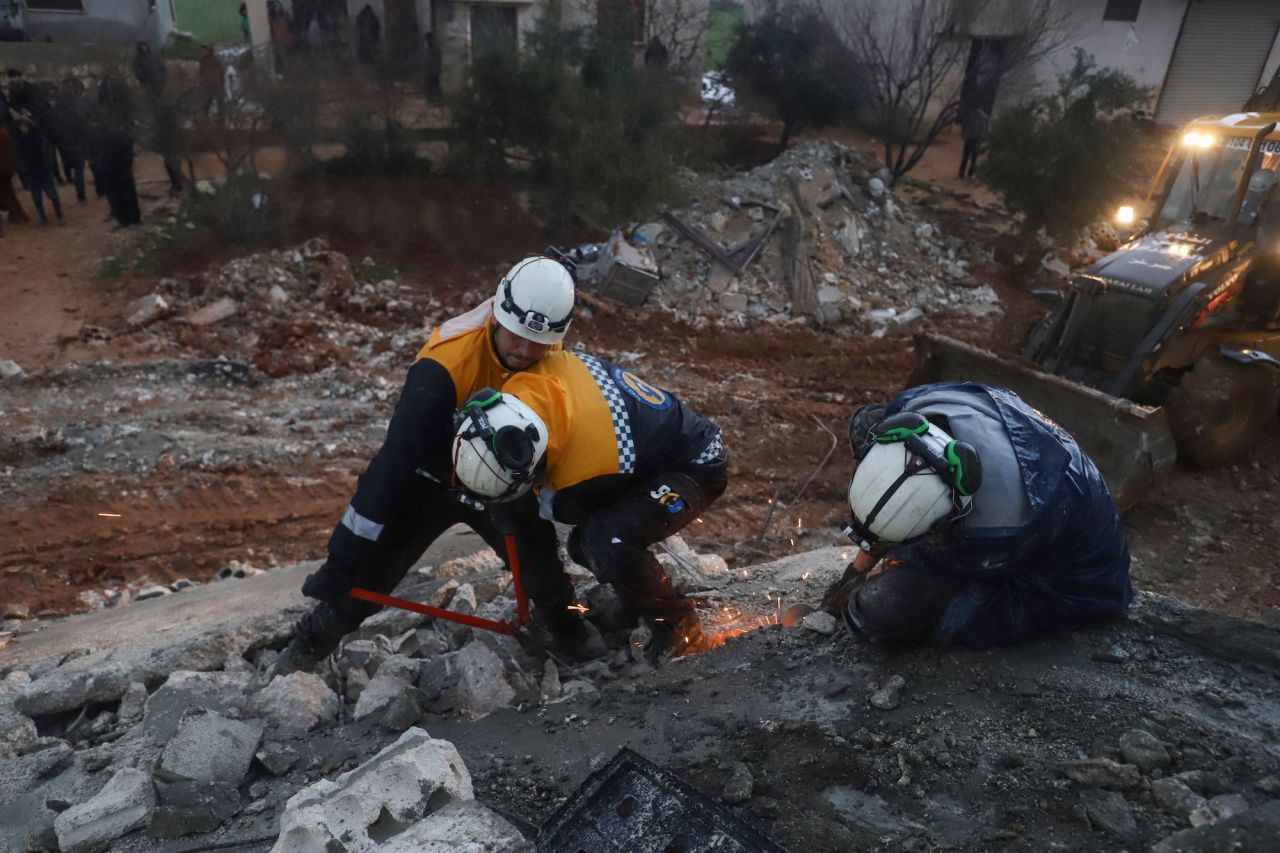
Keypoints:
(861, 422)
(331, 582)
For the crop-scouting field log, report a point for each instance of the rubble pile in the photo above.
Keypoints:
(839, 249)
(430, 735)
(291, 311)
(204, 734)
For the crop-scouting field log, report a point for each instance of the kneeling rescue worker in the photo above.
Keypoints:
(403, 500)
(992, 524)
(624, 462)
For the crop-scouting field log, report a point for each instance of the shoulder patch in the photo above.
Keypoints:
(650, 395)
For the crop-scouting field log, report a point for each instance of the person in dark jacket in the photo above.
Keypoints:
(117, 164)
(990, 523)
(150, 71)
(368, 35)
(405, 500)
(8, 167)
(35, 162)
(71, 118)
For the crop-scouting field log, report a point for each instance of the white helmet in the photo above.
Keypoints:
(911, 477)
(535, 300)
(498, 443)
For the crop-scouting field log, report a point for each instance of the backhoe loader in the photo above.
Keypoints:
(1167, 348)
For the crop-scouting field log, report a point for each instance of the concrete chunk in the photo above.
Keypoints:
(211, 748)
(124, 804)
(299, 701)
(1142, 748)
(145, 310)
(1175, 797)
(365, 806)
(67, 689)
(187, 807)
(379, 694)
(1103, 773)
(17, 732)
(214, 312)
(471, 680)
(460, 827)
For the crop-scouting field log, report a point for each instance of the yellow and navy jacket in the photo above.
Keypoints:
(457, 360)
(606, 426)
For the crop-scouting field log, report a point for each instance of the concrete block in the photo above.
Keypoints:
(471, 680)
(186, 807)
(460, 827)
(145, 310)
(186, 691)
(214, 312)
(299, 701)
(17, 732)
(379, 694)
(124, 804)
(364, 807)
(66, 689)
(211, 748)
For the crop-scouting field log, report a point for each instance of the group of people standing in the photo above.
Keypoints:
(49, 134)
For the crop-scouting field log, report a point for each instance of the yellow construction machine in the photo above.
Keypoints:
(1168, 347)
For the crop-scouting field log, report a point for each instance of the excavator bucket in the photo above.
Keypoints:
(1130, 444)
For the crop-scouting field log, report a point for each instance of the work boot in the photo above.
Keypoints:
(569, 635)
(316, 635)
(674, 638)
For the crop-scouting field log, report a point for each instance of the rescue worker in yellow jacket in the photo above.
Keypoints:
(625, 462)
(404, 500)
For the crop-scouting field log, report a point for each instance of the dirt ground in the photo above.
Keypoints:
(199, 473)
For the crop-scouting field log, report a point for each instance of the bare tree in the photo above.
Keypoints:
(914, 53)
(681, 26)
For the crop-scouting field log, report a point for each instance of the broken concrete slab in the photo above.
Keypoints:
(460, 827)
(1255, 831)
(1175, 797)
(472, 680)
(277, 758)
(1108, 811)
(299, 701)
(145, 309)
(1103, 773)
(187, 807)
(124, 804)
(379, 694)
(1141, 747)
(214, 312)
(186, 691)
(364, 807)
(1219, 808)
(17, 732)
(211, 748)
(149, 640)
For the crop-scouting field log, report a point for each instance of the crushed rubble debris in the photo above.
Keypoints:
(131, 749)
(860, 257)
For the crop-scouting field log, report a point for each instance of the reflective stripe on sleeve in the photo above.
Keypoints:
(359, 525)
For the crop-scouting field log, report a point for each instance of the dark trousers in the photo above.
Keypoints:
(901, 603)
(41, 184)
(122, 193)
(74, 166)
(614, 541)
(969, 158)
(431, 510)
